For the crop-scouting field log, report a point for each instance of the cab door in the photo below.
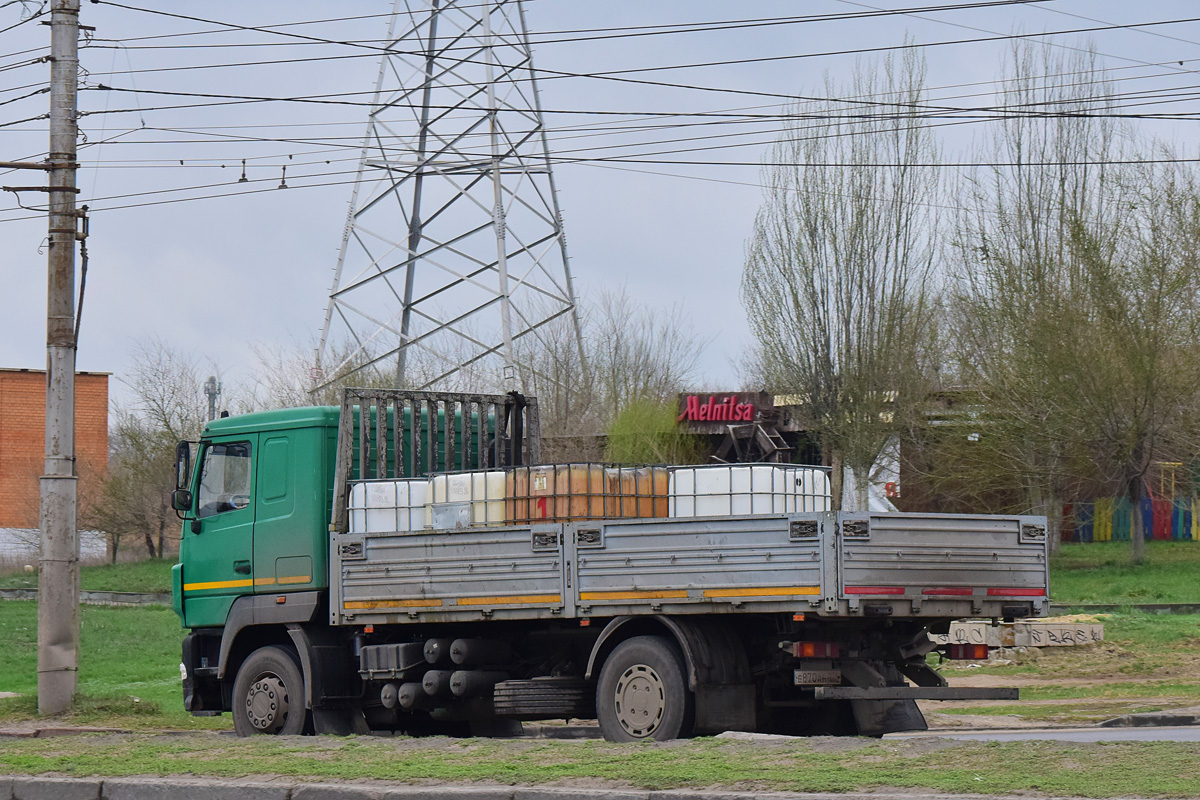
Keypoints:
(286, 531)
(218, 539)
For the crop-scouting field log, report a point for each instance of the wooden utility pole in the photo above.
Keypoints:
(58, 583)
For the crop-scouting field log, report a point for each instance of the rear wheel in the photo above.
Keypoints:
(268, 694)
(642, 692)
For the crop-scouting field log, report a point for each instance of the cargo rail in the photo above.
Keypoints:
(829, 564)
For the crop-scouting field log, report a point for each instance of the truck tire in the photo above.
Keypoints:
(268, 694)
(642, 692)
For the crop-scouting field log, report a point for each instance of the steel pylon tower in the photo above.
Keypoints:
(453, 253)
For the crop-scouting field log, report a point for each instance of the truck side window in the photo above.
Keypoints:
(224, 478)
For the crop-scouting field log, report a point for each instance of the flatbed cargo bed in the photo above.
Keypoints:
(828, 564)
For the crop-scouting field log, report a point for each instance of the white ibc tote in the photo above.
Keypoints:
(384, 506)
(485, 491)
(737, 489)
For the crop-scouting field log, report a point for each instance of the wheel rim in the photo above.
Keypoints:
(267, 704)
(640, 701)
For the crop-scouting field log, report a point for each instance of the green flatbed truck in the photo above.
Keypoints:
(304, 615)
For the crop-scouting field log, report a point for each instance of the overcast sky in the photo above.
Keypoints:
(218, 276)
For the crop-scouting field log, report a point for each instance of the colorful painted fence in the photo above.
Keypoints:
(1110, 519)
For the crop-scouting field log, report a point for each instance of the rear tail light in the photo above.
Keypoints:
(967, 652)
(815, 649)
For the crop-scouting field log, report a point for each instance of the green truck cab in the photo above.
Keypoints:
(256, 516)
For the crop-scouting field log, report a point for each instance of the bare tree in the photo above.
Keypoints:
(1138, 371)
(631, 352)
(167, 407)
(638, 353)
(552, 367)
(839, 281)
(1020, 312)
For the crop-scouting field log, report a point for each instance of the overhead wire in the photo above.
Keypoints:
(598, 34)
(260, 99)
(643, 144)
(728, 62)
(641, 121)
(30, 18)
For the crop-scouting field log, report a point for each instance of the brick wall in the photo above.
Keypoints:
(23, 440)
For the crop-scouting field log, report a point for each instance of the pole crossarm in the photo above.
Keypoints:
(454, 234)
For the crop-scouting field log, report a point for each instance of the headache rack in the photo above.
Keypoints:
(394, 434)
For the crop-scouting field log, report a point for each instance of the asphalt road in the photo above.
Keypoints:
(1189, 733)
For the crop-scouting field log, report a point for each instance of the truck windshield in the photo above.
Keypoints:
(224, 478)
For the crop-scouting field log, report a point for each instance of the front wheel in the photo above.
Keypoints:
(268, 694)
(642, 692)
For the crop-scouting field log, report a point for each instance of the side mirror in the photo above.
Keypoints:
(181, 500)
(183, 467)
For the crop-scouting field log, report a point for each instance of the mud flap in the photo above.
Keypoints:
(724, 708)
(877, 717)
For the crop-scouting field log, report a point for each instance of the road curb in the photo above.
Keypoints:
(96, 598)
(1154, 719)
(155, 788)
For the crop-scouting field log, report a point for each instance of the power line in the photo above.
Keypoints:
(935, 112)
(738, 119)
(30, 18)
(602, 33)
(653, 122)
(613, 74)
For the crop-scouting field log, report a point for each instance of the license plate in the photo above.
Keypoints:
(817, 677)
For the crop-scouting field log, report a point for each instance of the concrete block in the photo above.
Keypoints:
(970, 633)
(1056, 634)
(1022, 634)
(56, 789)
(6, 788)
(159, 789)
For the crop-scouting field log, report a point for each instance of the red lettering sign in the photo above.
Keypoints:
(727, 409)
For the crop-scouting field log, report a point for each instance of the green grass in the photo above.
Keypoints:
(1036, 768)
(1101, 573)
(152, 576)
(128, 671)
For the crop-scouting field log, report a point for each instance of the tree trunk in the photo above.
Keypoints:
(835, 478)
(1045, 501)
(149, 537)
(862, 488)
(1137, 533)
(1054, 518)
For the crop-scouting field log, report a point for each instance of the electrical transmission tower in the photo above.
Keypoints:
(453, 257)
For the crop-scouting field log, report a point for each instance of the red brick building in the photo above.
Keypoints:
(23, 440)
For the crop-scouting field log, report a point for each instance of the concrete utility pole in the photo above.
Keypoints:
(58, 584)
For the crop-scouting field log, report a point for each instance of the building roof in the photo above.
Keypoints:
(43, 372)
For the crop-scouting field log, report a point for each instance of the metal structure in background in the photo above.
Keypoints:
(453, 249)
(212, 390)
(58, 582)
